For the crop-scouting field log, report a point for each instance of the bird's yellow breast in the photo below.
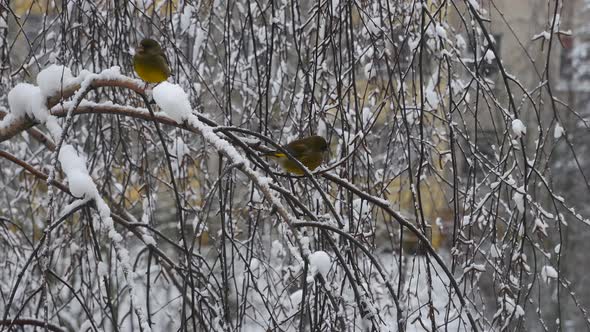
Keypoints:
(150, 73)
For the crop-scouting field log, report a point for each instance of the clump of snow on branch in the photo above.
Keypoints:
(518, 199)
(79, 181)
(320, 263)
(53, 79)
(489, 56)
(173, 101)
(548, 272)
(23, 99)
(28, 100)
(518, 128)
(558, 131)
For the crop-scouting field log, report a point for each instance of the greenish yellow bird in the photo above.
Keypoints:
(150, 62)
(309, 151)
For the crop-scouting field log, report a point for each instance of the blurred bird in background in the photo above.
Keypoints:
(309, 151)
(150, 62)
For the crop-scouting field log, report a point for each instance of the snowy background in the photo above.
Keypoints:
(454, 196)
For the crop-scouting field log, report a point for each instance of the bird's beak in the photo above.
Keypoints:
(139, 49)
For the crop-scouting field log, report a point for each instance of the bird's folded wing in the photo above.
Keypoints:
(163, 54)
(297, 149)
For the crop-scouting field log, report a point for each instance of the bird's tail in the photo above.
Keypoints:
(274, 154)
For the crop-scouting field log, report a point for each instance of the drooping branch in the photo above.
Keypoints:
(30, 322)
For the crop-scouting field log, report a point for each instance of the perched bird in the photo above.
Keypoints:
(309, 151)
(150, 62)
